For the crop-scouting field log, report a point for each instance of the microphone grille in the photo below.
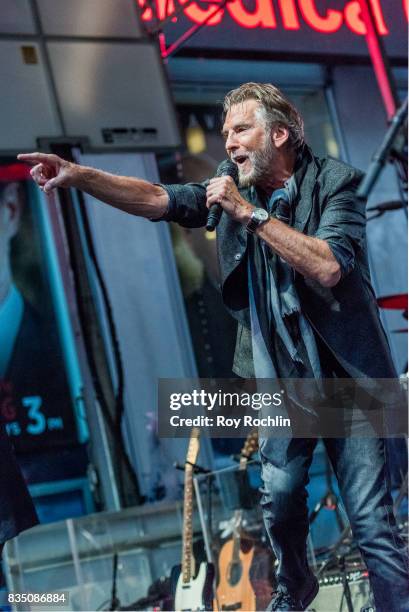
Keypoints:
(228, 168)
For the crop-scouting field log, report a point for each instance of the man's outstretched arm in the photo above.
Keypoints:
(134, 196)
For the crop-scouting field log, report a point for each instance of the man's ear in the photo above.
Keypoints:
(12, 208)
(280, 135)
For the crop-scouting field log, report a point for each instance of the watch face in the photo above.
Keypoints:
(260, 215)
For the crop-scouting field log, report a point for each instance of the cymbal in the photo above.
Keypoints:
(394, 302)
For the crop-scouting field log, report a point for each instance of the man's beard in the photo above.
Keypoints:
(262, 162)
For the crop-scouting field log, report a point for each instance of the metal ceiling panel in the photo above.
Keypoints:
(26, 105)
(91, 18)
(16, 17)
(116, 94)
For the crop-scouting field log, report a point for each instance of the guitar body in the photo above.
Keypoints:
(234, 591)
(197, 594)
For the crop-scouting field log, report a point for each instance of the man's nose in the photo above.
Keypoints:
(231, 142)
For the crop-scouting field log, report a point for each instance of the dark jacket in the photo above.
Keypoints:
(346, 316)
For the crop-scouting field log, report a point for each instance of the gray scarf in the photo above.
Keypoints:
(280, 303)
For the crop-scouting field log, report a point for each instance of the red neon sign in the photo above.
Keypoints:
(328, 23)
(262, 17)
(290, 14)
(353, 18)
(199, 15)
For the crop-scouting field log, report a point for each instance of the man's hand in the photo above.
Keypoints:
(222, 190)
(50, 171)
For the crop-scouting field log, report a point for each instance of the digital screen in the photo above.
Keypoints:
(35, 403)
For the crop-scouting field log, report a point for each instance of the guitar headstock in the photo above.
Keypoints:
(250, 445)
(194, 446)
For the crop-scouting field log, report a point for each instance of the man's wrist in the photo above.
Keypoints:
(82, 176)
(245, 213)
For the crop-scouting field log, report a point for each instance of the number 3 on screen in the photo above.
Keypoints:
(33, 403)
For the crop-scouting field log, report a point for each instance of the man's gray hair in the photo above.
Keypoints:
(274, 105)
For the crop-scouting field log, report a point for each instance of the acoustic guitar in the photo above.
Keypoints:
(191, 592)
(234, 591)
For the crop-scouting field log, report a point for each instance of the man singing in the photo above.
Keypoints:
(292, 251)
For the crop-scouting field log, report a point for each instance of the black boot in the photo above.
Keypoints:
(284, 600)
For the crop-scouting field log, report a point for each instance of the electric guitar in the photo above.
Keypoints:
(234, 591)
(191, 592)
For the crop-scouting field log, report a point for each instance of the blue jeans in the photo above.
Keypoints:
(360, 467)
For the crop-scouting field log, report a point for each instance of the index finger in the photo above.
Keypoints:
(35, 158)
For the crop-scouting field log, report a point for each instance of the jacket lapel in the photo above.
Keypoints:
(305, 177)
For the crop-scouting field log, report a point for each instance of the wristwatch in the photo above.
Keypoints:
(258, 217)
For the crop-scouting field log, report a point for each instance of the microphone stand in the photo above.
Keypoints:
(345, 584)
(329, 500)
(115, 603)
(383, 153)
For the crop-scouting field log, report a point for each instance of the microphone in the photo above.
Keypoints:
(226, 168)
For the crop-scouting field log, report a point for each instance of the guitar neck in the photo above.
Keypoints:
(238, 514)
(187, 549)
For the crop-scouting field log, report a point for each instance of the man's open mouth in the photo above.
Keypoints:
(240, 159)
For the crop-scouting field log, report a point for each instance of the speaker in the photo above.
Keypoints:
(331, 597)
